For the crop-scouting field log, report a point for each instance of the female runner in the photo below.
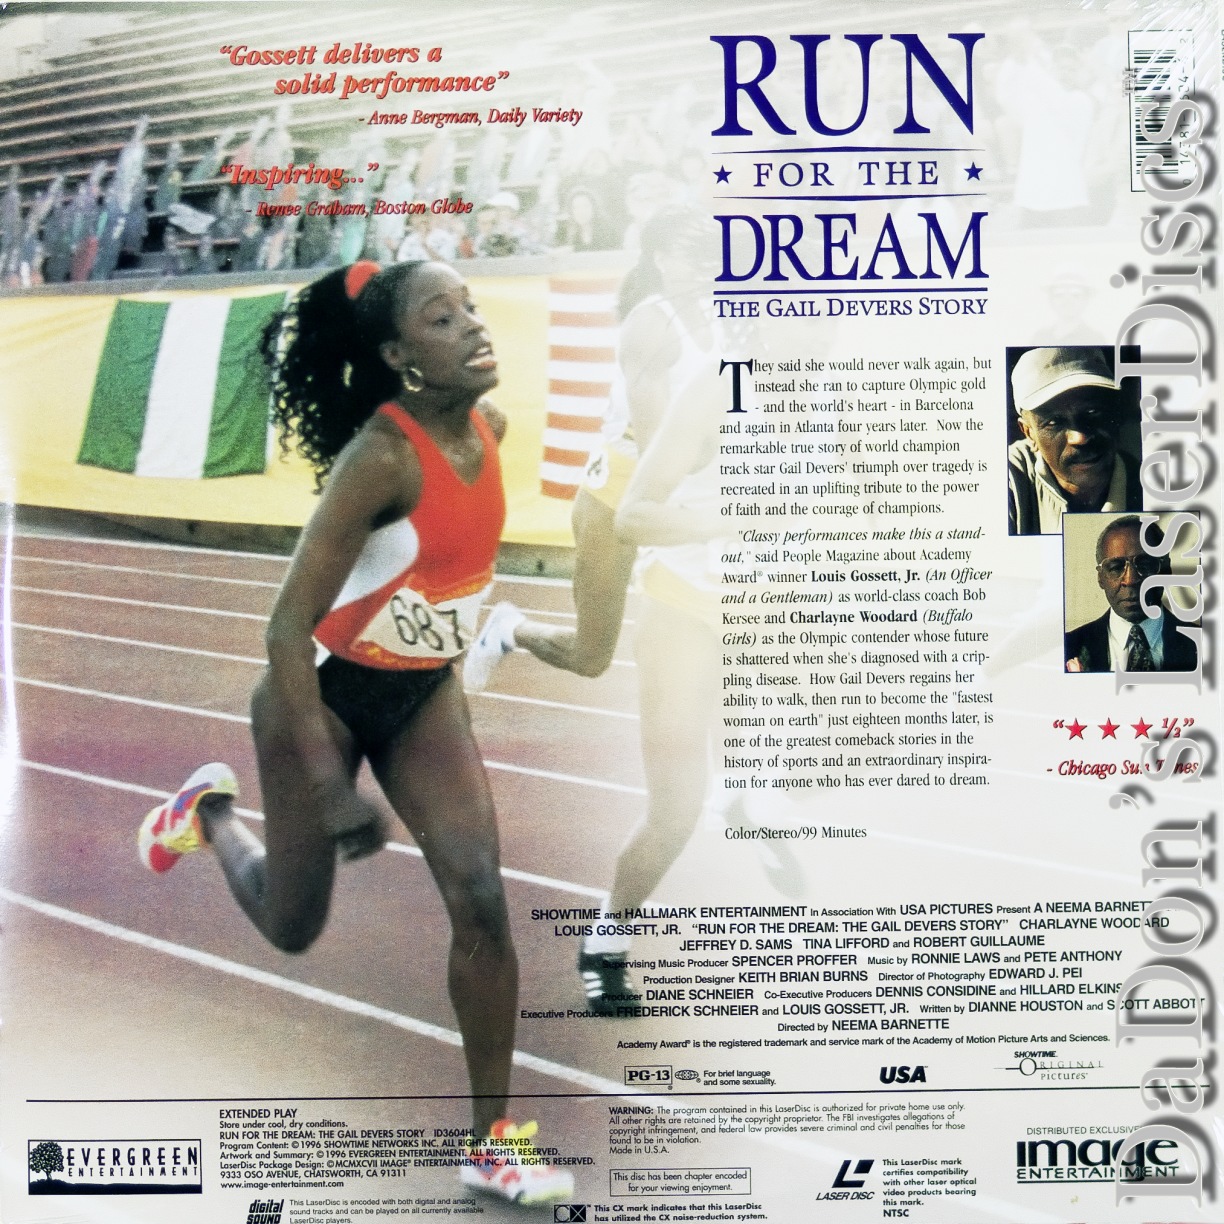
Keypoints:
(667, 352)
(666, 335)
(667, 339)
(381, 375)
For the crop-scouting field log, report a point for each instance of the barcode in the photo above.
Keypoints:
(1160, 69)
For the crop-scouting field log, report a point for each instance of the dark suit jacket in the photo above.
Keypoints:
(1090, 645)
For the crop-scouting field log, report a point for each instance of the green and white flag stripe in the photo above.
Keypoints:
(181, 390)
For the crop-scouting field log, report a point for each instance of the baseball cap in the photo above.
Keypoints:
(1041, 374)
(505, 199)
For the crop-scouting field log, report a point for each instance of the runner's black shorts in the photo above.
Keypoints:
(376, 703)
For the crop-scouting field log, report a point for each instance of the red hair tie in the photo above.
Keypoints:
(356, 278)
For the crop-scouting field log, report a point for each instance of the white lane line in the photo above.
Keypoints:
(139, 701)
(314, 994)
(122, 641)
(556, 705)
(615, 662)
(202, 551)
(619, 787)
(531, 580)
(143, 603)
(159, 545)
(250, 582)
(261, 662)
(136, 603)
(548, 775)
(510, 873)
(153, 573)
(537, 612)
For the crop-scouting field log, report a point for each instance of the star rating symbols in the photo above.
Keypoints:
(1109, 729)
(722, 175)
(974, 171)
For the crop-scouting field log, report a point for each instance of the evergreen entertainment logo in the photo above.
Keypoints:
(114, 1166)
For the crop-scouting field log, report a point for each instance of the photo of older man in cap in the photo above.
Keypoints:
(1071, 416)
(1125, 636)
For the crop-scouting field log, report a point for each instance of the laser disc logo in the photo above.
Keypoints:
(849, 1182)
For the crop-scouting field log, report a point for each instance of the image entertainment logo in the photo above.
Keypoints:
(1098, 1158)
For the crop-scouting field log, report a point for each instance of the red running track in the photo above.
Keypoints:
(132, 664)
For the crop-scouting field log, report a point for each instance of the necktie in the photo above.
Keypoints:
(1138, 652)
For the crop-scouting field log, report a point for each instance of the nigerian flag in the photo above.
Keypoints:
(181, 389)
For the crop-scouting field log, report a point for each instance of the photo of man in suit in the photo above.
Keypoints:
(1125, 636)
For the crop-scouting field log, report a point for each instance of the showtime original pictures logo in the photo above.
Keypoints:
(114, 1166)
(1096, 1158)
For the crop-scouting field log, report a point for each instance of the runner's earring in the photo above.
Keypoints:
(414, 380)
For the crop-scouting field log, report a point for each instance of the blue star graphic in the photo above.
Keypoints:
(722, 174)
(973, 171)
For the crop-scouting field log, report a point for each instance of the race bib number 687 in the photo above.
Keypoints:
(412, 627)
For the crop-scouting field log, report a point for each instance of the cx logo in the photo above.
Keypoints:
(569, 1213)
(861, 1169)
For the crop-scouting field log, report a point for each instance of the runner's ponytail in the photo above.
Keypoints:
(322, 352)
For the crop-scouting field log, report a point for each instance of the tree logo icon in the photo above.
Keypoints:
(47, 1158)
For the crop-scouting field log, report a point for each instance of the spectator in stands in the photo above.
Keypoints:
(509, 236)
(387, 230)
(315, 235)
(694, 189)
(250, 238)
(484, 221)
(584, 226)
(607, 187)
(57, 238)
(427, 240)
(85, 213)
(645, 195)
(170, 181)
(209, 165)
(30, 254)
(10, 220)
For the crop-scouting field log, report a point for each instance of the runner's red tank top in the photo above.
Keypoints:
(414, 594)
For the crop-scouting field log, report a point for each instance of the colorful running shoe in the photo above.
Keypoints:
(508, 1165)
(492, 644)
(172, 830)
(607, 982)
